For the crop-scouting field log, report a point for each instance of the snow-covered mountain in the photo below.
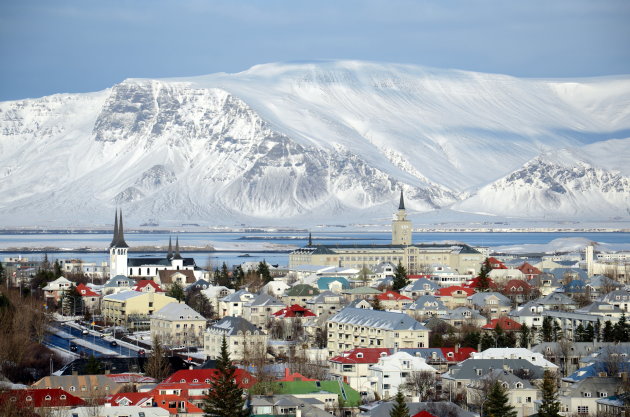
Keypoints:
(303, 143)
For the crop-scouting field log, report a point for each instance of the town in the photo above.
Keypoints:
(399, 329)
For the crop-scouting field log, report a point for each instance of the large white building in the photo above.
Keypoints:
(393, 371)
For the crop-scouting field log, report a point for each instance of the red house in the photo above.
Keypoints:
(496, 264)
(505, 323)
(196, 376)
(293, 311)
(54, 398)
(529, 271)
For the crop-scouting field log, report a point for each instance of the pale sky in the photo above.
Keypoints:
(59, 46)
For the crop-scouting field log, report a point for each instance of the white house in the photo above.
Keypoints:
(535, 358)
(392, 371)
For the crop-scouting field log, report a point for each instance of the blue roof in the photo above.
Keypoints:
(574, 286)
(324, 282)
(594, 369)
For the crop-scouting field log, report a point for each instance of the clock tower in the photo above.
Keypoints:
(401, 227)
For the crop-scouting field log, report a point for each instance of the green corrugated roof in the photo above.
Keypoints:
(351, 396)
(362, 290)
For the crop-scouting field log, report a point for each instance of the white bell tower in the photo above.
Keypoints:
(118, 248)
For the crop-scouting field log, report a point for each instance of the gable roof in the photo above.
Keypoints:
(232, 326)
(242, 377)
(86, 291)
(47, 397)
(392, 296)
(166, 275)
(264, 300)
(323, 283)
(427, 302)
(361, 355)
(506, 323)
(294, 311)
(448, 291)
(177, 312)
(375, 318)
(302, 289)
(147, 283)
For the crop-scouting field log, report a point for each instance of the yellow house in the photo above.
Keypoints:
(133, 308)
(178, 325)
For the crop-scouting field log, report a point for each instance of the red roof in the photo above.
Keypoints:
(244, 378)
(295, 376)
(474, 283)
(506, 323)
(462, 353)
(173, 404)
(443, 292)
(361, 355)
(294, 311)
(423, 414)
(517, 286)
(496, 264)
(133, 398)
(52, 397)
(528, 269)
(147, 283)
(392, 295)
(86, 291)
(427, 276)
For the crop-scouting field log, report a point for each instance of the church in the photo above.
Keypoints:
(143, 267)
(414, 257)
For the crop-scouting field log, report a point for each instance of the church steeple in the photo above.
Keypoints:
(177, 255)
(401, 227)
(120, 237)
(115, 237)
(310, 239)
(401, 205)
(169, 255)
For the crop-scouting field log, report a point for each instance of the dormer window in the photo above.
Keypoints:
(359, 355)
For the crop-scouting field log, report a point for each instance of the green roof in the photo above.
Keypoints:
(362, 290)
(349, 394)
(302, 289)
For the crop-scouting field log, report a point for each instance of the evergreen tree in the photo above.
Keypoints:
(93, 366)
(497, 403)
(157, 365)
(487, 342)
(400, 278)
(589, 333)
(400, 407)
(550, 406)
(1, 274)
(525, 338)
(557, 331)
(608, 334)
(72, 302)
(376, 303)
(238, 276)
(547, 329)
(471, 340)
(225, 276)
(484, 280)
(500, 336)
(598, 331)
(225, 397)
(176, 291)
(620, 330)
(580, 333)
(263, 271)
(57, 269)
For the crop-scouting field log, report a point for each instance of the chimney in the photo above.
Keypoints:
(457, 348)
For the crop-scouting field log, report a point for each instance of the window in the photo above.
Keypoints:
(29, 398)
(47, 398)
(582, 409)
(73, 389)
(603, 394)
(62, 397)
(587, 394)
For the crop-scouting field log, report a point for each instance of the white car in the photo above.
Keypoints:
(85, 331)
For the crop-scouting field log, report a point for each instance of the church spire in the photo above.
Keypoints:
(177, 255)
(120, 235)
(169, 255)
(310, 239)
(115, 237)
(401, 205)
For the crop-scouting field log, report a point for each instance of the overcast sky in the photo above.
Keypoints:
(59, 46)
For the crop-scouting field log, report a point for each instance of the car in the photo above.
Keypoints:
(113, 343)
(84, 331)
(73, 347)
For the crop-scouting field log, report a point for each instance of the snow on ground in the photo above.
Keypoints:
(565, 244)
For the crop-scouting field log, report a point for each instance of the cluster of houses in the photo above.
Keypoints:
(366, 340)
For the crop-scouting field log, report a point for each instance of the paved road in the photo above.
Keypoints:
(71, 335)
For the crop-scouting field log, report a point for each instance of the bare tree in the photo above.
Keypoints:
(423, 384)
(157, 364)
(563, 350)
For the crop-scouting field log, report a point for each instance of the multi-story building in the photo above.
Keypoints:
(177, 324)
(391, 373)
(243, 339)
(460, 257)
(259, 310)
(133, 308)
(362, 328)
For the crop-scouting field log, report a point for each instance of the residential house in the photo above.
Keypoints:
(356, 327)
(232, 305)
(55, 290)
(147, 285)
(177, 324)
(392, 372)
(275, 287)
(361, 293)
(299, 294)
(416, 409)
(167, 277)
(600, 284)
(328, 392)
(200, 284)
(519, 291)
(391, 300)
(529, 271)
(326, 303)
(260, 309)
(280, 405)
(455, 296)
(133, 308)
(353, 366)
(580, 397)
(334, 284)
(41, 401)
(243, 378)
(521, 394)
(82, 386)
(242, 337)
(419, 287)
(118, 283)
(215, 293)
(461, 316)
(426, 306)
(491, 304)
(618, 298)
(602, 309)
(91, 300)
(501, 276)
(569, 356)
(536, 358)
(506, 324)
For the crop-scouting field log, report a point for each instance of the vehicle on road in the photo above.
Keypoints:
(113, 343)
(73, 347)
(85, 332)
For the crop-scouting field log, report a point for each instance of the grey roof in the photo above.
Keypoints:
(480, 298)
(616, 296)
(321, 298)
(231, 326)
(507, 377)
(599, 281)
(470, 368)
(460, 313)
(555, 298)
(426, 302)
(265, 300)
(421, 284)
(177, 312)
(609, 385)
(375, 318)
(236, 296)
(561, 272)
(119, 281)
(123, 295)
(599, 307)
(579, 349)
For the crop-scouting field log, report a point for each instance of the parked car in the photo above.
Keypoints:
(84, 331)
(73, 347)
(113, 343)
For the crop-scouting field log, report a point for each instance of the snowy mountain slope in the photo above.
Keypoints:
(592, 180)
(307, 142)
